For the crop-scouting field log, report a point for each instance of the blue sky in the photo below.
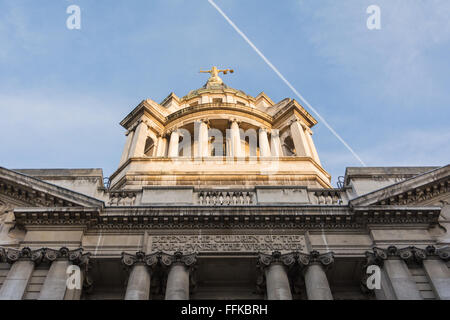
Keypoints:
(63, 92)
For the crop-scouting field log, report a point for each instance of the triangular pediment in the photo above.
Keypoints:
(428, 189)
(18, 189)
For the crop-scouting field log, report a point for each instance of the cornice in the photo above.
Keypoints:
(413, 190)
(239, 217)
(36, 192)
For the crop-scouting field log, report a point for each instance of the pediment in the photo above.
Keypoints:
(428, 189)
(17, 189)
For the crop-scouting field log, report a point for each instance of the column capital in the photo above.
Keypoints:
(287, 259)
(188, 260)
(314, 257)
(376, 256)
(443, 253)
(44, 254)
(149, 260)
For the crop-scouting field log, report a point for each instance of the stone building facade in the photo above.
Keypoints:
(221, 195)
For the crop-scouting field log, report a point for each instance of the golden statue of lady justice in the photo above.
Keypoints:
(214, 72)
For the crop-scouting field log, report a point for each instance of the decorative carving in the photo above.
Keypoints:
(122, 198)
(266, 260)
(188, 260)
(409, 254)
(443, 253)
(225, 198)
(418, 195)
(325, 259)
(253, 217)
(130, 259)
(45, 255)
(376, 257)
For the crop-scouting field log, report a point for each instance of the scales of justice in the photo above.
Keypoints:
(214, 78)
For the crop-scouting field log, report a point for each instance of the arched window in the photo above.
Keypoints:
(149, 147)
(288, 147)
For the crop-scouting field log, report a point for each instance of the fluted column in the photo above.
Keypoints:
(264, 147)
(236, 139)
(275, 271)
(16, 282)
(173, 144)
(140, 266)
(55, 284)
(126, 149)
(299, 138)
(316, 282)
(138, 143)
(180, 266)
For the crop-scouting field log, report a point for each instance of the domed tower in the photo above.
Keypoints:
(217, 136)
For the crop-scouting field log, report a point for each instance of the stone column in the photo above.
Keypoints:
(201, 139)
(377, 257)
(139, 138)
(140, 267)
(276, 150)
(299, 138)
(396, 280)
(264, 147)
(437, 271)
(180, 266)
(275, 271)
(126, 149)
(316, 282)
(439, 275)
(311, 145)
(16, 282)
(404, 287)
(173, 144)
(55, 284)
(236, 139)
(161, 146)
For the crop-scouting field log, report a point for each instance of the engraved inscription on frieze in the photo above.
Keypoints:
(227, 243)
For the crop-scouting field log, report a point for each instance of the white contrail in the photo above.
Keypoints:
(285, 81)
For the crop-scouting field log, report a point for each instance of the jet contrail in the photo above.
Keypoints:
(286, 81)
